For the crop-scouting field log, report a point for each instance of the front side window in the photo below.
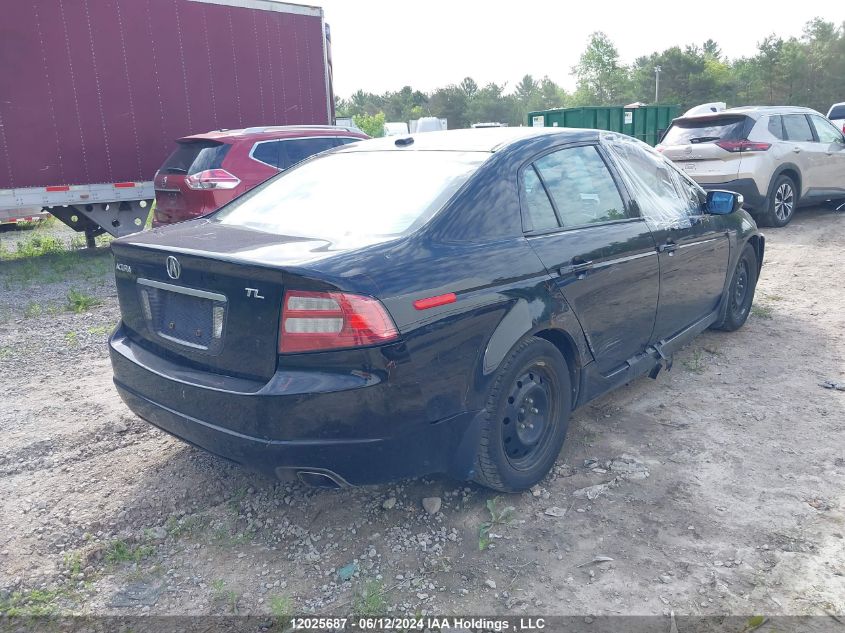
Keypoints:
(652, 181)
(343, 196)
(826, 131)
(580, 186)
(797, 128)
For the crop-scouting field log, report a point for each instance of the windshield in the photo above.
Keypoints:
(346, 195)
(688, 131)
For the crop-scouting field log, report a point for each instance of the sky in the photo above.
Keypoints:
(380, 45)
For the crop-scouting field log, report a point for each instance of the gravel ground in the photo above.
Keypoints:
(716, 489)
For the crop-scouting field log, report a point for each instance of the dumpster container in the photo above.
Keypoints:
(647, 122)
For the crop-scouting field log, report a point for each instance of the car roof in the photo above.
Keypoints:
(266, 132)
(749, 110)
(468, 140)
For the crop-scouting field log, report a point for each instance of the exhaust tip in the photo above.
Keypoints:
(319, 480)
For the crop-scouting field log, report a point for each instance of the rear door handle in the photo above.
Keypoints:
(667, 247)
(797, 150)
(578, 268)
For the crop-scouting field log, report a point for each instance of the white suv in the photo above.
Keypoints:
(776, 157)
(836, 114)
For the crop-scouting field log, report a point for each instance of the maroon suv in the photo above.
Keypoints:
(208, 170)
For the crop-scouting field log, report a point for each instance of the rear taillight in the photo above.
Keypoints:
(212, 179)
(743, 146)
(313, 321)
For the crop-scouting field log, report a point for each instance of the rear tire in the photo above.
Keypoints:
(740, 292)
(526, 417)
(781, 203)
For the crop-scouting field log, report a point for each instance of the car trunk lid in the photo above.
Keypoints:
(693, 143)
(215, 306)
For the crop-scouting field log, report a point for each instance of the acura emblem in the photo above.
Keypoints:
(174, 268)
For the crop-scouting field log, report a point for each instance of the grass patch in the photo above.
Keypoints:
(498, 517)
(34, 246)
(72, 339)
(100, 330)
(695, 363)
(369, 600)
(186, 526)
(32, 310)
(120, 552)
(762, 311)
(73, 563)
(225, 597)
(281, 606)
(80, 302)
(36, 602)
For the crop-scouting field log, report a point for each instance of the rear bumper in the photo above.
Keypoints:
(746, 187)
(347, 431)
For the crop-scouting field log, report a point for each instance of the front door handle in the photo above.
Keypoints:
(797, 150)
(667, 247)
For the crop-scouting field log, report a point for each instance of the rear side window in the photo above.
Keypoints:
(837, 112)
(709, 130)
(776, 126)
(541, 214)
(580, 186)
(193, 157)
(797, 128)
(297, 150)
(267, 152)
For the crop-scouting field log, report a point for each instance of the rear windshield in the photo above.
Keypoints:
(688, 131)
(194, 157)
(837, 112)
(347, 195)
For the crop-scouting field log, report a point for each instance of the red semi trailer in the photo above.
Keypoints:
(93, 92)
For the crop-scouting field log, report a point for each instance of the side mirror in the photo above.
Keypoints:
(723, 202)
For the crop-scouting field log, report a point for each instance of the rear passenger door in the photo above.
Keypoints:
(601, 254)
(801, 141)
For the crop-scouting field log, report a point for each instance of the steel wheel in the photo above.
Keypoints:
(525, 418)
(530, 415)
(740, 289)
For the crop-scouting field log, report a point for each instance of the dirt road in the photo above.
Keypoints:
(724, 492)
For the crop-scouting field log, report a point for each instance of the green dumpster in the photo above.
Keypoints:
(647, 122)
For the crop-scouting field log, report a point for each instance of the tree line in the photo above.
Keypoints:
(808, 70)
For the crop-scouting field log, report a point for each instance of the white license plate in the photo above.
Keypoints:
(689, 166)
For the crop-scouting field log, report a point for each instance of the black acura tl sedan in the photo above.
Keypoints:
(438, 303)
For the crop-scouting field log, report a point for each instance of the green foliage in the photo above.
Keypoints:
(281, 606)
(806, 69)
(371, 124)
(34, 246)
(498, 517)
(369, 600)
(80, 302)
(120, 552)
(37, 602)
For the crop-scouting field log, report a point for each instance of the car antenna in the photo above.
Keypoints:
(404, 142)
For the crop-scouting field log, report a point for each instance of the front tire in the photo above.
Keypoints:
(781, 204)
(740, 292)
(526, 417)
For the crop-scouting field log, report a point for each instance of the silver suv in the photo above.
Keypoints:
(776, 157)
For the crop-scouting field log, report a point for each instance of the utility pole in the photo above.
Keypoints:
(657, 85)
